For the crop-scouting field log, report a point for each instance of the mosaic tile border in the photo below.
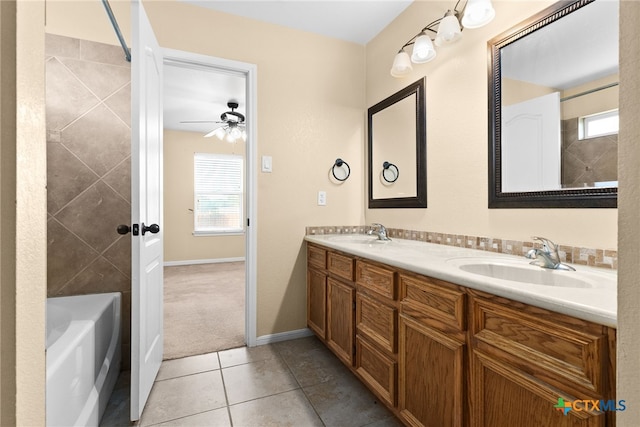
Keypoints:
(602, 258)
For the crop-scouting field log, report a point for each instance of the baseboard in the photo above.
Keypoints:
(202, 261)
(283, 336)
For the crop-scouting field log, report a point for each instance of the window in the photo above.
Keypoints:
(600, 124)
(218, 194)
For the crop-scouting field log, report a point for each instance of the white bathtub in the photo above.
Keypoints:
(83, 357)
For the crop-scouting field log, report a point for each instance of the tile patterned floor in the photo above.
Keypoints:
(291, 383)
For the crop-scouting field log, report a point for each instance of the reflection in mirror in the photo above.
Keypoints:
(554, 109)
(397, 140)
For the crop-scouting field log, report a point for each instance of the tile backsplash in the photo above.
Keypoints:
(603, 258)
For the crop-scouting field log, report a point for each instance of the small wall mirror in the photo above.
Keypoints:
(553, 109)
(397, 150)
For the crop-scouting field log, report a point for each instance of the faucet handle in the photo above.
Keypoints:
(547, 244)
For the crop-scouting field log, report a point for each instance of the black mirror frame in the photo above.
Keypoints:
(420, 200)
(570, 198)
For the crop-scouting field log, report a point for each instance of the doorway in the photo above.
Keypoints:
(209, 266)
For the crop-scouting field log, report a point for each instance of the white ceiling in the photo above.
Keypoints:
(199, 94)
(581, 47)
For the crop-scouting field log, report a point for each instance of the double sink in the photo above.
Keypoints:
(588, 293)
(502, 267)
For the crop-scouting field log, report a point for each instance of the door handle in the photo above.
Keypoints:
(124, 229)
(153, 228)
(134, 229)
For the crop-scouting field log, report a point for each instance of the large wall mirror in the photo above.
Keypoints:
(553, 109)
(397, 150)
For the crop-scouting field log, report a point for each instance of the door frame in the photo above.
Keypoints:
(251, 236)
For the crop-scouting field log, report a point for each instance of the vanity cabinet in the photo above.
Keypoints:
(432, 351)
(439, 354)
(340, 306)
(317, 290)
(525, 358)
(376, 329)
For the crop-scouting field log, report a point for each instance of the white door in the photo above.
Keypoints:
(531, 145)
(146, 209)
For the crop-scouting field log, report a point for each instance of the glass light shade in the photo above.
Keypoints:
(244, 135)
(478, 13)
(401, 65)
(220, 133)
(448, 30)
(423, 50)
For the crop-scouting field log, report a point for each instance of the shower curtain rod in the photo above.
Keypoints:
(112, 18)
(587, 92)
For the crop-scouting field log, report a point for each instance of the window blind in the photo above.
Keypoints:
(218, 193)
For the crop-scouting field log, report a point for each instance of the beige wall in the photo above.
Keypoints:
(22, 325)
(311, 111)
(179, 242)
(629, 206)
(457, 146)
(596, 102)
(22, 214)
(515, 91)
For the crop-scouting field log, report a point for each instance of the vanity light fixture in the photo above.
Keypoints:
(448, 29)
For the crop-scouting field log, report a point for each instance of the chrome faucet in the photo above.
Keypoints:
(548, 256)
(379, 230)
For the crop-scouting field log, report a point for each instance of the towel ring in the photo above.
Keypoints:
(339, 163)
(390, 172)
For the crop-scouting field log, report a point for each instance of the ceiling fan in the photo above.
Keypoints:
(233, 125)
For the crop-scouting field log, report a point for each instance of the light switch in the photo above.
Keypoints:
(322, 198)
(267, 164)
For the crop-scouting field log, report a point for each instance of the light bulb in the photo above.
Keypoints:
(478, 13)
(401, 64)
(448, 30)
(423, 50)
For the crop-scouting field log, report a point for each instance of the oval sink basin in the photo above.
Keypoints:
(357, 238)
(517, 274)
(525, 273)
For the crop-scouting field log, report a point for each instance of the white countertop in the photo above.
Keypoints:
(597, 303)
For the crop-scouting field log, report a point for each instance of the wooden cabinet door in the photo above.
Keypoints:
(431, 376)
(377, 370)
(317, 302)
(340, 319)
(505, 396)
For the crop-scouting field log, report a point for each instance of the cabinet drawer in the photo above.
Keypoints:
(377, 321)
(378, 370)
(433, 302)
(558, 349)
(340, 265)
(316, 257)
(377, 279)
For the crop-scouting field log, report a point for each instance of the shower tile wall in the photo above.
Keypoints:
(88, 111)
(588, 160)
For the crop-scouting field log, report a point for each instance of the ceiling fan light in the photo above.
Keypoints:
(220, 133)
(235, 132)
(449, 30)
(244, 135)
(478, 13)
(401, 64)
(423, 50)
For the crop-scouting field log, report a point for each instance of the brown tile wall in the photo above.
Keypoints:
(88, 111)
(602, 258)
(588, 160)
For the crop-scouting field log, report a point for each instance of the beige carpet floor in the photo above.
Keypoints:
(203, 308)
